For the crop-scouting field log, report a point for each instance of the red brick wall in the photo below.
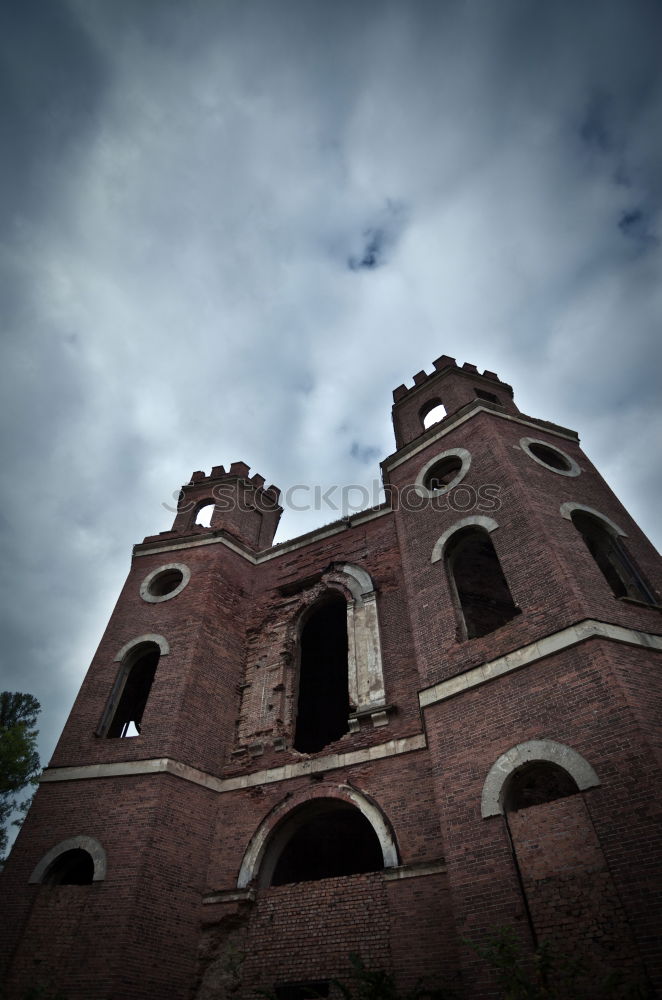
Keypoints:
(307, 931)
(133, 934)
(169, 841)
(571, 894)
(204, 626)
(570, 698)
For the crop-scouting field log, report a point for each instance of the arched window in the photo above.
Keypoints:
(324, 839)
(124, 712)
(532, 773)
(432, 413)
(204, 513)
(616, 565)
(323, 702)
(482, 590)
(535, 783)
(73, 867)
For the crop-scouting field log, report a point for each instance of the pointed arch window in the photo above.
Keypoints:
(480, 586)
(611, 557)
(323, 700)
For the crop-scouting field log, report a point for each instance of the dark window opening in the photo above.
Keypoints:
(323, 706)
(432, 413)
(481, 587)
(166, 582)
(336, 841)
(128, 716)
(311, 990)
(74, 867)
(550, 456)
(489, 396)
(619, 570)
(536, 783)
(443, 472)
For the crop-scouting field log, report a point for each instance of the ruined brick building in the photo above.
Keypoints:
(431, 719)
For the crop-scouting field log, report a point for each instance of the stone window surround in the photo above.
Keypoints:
(568, 509)
(149, 579)
(275, 830)
(525, 753)
(487, 524)
(465, 458)
(365, 676)
(89, 844)
(574, 469)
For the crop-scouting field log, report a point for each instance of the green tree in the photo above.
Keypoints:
(19, 760)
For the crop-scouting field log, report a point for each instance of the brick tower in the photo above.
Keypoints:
(433, 719)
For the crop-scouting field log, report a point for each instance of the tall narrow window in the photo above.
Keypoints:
(481, 588)
(323, 705)
(132, 689)
(618, 568)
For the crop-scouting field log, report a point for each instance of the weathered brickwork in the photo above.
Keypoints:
(203, 896)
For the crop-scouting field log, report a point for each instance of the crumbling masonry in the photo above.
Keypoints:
(391, 736)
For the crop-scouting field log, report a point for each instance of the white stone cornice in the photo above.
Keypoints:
(165, 765)
(526, 655)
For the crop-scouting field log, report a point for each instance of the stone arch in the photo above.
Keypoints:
(563, 756)
(264, 847)
(145, 639)
(604, 540)
(569, 508)
(473, 521)
(83, 843)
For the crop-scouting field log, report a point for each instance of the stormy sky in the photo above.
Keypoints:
(232, 227)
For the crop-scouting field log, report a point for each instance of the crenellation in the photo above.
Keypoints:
(325, 719)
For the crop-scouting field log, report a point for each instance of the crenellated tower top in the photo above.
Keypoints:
(451, 387)
(243, 506)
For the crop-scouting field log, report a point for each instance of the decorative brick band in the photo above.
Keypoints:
(164, 765)
(526, 655)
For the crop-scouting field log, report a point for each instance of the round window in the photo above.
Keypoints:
(164, 583)
(550, 457)
(442, 473)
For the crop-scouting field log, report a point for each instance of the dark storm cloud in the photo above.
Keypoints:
(184, 188)
(51, 79)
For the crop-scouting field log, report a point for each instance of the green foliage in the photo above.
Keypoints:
(19, 760)
(520, 976)
(546, 975)
(369, 984)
